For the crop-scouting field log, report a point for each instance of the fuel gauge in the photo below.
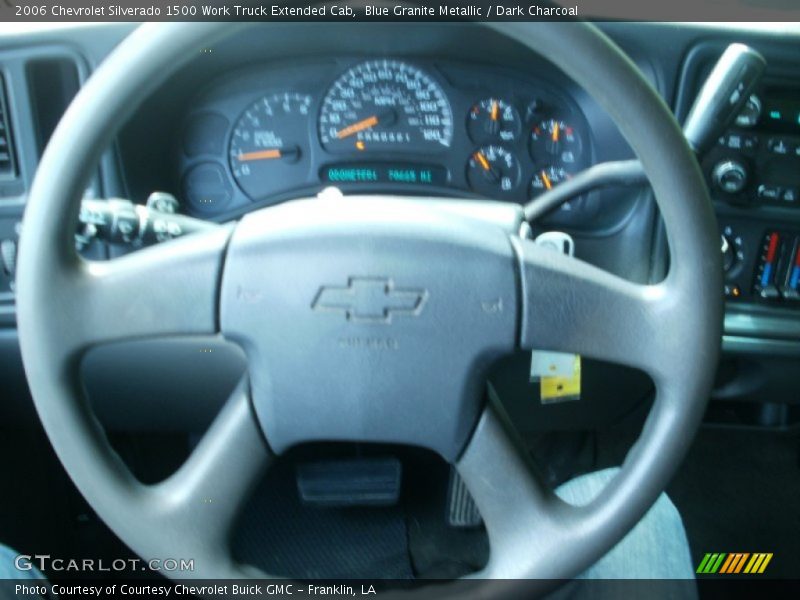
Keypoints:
(493, 119)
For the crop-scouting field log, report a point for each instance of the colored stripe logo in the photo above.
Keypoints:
(733, 563)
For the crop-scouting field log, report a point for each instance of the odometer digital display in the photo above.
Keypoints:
(385, 105)
(383, 172)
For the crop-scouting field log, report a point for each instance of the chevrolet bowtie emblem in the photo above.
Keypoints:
(374, 299)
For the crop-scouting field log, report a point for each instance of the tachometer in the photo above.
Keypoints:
(268, 151)
(385, 105)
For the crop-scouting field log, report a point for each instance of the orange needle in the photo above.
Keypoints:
(259, 155)
(356, 127)
(547, 183)
(482, 159)
(494, 110)
(555, 132)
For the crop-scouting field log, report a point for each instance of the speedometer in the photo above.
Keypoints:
(385, 105)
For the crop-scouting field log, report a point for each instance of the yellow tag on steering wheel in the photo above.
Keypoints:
(559, 388)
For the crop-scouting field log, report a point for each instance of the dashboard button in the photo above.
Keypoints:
(739, 141)
(769, 192)
(732, 290)
(780, 146)
(750, 113)
(770, 293)
(207, 188)
(790, 295)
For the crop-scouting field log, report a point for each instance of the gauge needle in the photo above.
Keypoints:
(486, 166)
(356, 127)
(547, 183)
(268, 154)
(482, 160)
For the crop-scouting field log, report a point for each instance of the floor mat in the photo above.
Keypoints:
(284, 537)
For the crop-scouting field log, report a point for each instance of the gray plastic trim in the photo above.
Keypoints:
(734, 344)
(759, 322)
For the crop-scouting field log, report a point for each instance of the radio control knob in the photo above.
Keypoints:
(730, 176)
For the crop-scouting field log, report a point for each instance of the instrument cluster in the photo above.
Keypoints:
(269, 134)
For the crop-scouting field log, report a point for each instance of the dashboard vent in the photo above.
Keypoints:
(8, 167)
(52, 84)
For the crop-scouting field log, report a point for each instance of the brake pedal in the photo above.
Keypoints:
(350, 482)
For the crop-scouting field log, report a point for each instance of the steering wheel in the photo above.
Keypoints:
(369, 319)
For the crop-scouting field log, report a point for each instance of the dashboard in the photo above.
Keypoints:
(429, 110)
(378, 125)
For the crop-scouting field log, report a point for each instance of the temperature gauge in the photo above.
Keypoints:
(555, 141)
(492, 170)
(493, 119)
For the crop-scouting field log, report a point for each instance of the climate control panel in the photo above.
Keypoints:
(762, 262)
(777, 274)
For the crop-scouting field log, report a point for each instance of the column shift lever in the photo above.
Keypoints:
(723, 95)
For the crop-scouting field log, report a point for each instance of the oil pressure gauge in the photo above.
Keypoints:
(546, 178)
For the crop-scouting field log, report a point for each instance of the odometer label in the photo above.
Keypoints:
(350, 174)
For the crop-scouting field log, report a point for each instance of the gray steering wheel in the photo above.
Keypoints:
(369, 319)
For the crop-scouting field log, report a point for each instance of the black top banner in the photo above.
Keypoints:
(781, 11)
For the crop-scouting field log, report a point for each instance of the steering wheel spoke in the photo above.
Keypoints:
(205, 496)
(169, 289)
(572, 306)
(196, 508)
(520, 513)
